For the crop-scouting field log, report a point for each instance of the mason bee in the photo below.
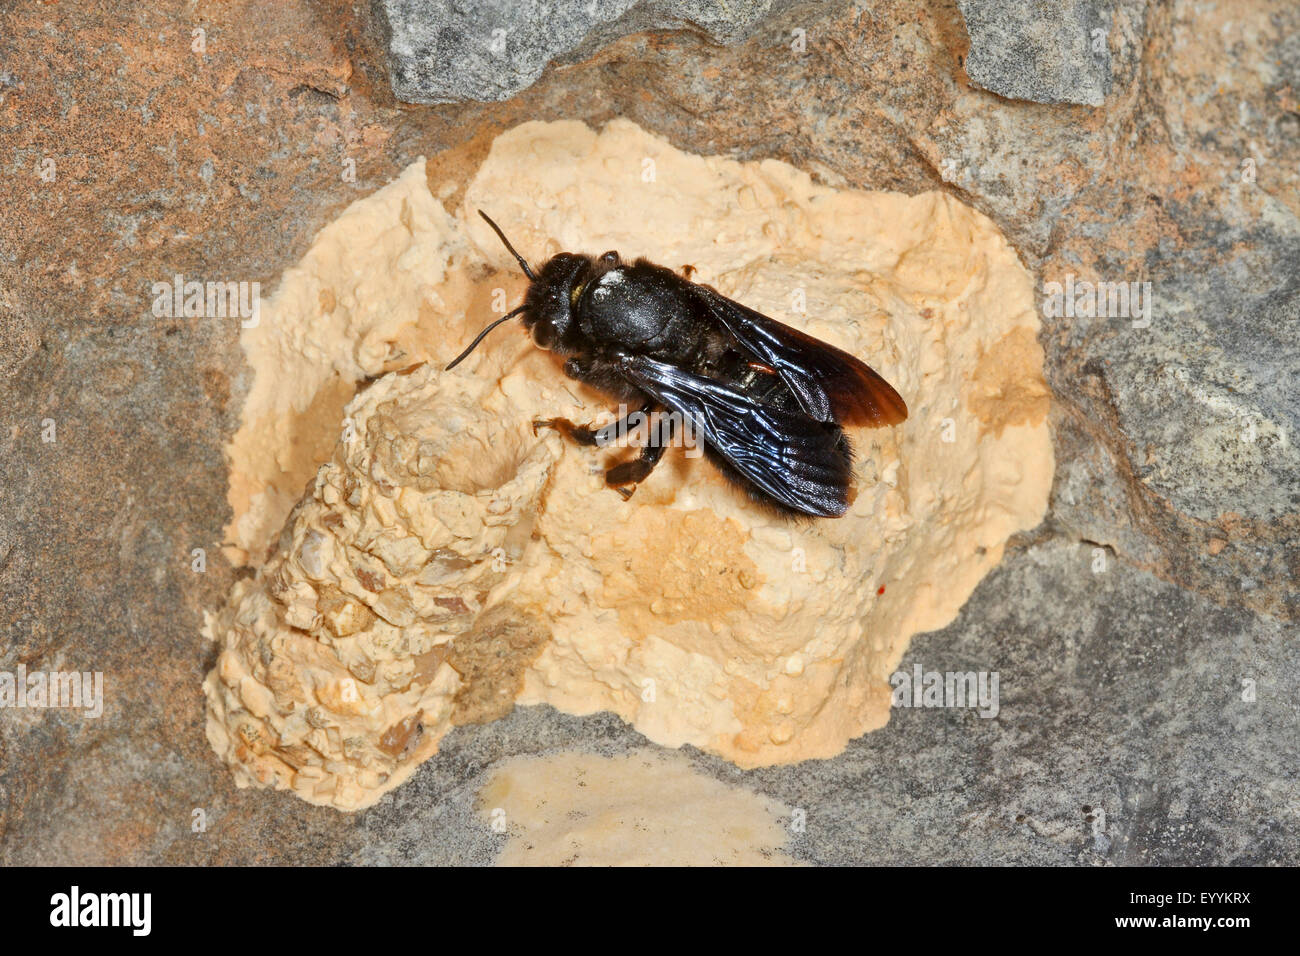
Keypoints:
(769, 402)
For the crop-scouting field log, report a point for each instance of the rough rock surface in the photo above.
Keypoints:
(224, 163)
(445, 52)
(1047, 51)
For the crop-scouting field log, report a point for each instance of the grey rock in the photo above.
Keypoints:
(440, 51)
(1193, 468)
(1047, 51)
(1219, 406)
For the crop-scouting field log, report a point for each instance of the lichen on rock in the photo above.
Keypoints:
(446, 562)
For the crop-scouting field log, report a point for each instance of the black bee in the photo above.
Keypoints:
(767, 401)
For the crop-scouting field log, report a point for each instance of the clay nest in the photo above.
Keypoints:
(446, 563)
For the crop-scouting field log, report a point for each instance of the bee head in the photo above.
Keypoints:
(552, 301)
(552, 298)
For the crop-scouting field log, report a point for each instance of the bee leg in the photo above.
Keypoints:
(624, 477)
(688, 271)
(585, 434)
(579, 434)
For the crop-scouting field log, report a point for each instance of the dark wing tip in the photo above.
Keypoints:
(864, 398)
(872, 402)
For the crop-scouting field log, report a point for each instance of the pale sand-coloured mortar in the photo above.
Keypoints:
(446, 563)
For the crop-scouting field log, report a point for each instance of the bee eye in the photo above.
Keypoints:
(543, 335)
(577, 291)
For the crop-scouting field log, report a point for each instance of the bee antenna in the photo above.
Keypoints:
(479, 338)
(502, 236)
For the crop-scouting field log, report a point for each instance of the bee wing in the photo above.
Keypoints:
(803, 464)
(830, 383)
